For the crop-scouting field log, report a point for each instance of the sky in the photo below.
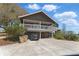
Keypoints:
(63, 13)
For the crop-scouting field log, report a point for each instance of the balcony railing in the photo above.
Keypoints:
(40, 27)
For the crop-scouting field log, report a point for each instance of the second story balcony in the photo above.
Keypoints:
(38, 27)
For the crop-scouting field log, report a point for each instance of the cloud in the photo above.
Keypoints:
(69, 14)
(71, 22)
(50, 7)
(34, 6)
(68, 18)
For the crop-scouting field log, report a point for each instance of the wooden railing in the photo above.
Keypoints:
(40, 27)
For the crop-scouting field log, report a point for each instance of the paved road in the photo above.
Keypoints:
(43, 47)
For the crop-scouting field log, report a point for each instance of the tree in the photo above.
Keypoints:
(11, 9)
(9, 12)
(16, 28)
(9, 20)
(69, 35)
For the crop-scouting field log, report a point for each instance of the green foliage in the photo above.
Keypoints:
(15, 29)
(68, 35)
(9, 12)
(8, 19)
(71, 36)
(4, 21)
(58, 35)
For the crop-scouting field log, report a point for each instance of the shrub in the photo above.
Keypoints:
(58, 35)
(71, 36)
(15, 30)
(68, 35)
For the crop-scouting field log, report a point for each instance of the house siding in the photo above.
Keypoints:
(36, 21)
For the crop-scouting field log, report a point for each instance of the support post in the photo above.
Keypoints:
(40, 34)
(40, 24)
(40, 28)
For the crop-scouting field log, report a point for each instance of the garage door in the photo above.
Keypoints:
(33, 36)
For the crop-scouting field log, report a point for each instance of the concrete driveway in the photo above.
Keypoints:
(43, 47)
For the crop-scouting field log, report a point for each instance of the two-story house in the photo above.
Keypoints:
(38, 25)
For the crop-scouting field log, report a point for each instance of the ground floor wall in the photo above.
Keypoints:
(46, 34)
(38, 35)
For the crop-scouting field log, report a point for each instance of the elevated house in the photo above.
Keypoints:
(38, 25)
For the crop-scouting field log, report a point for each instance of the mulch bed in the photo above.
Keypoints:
(5, 42)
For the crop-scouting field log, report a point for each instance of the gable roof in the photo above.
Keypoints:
(39, 12)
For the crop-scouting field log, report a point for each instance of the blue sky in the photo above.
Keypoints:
(62, 13)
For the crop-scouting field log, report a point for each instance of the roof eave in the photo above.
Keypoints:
(35, 13)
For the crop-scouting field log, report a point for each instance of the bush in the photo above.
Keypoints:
(66, 35)
(15, 30)
(71, 36)
(58, 35)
